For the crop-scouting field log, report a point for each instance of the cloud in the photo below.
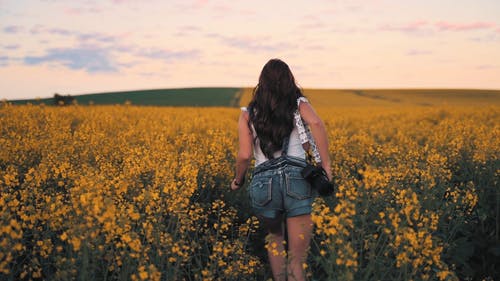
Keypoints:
(486, 38)
(440, 26)
(152, 74)
(120, 1)
(201, 2)
(415, 52)
(486, 67)
(80, 11)
(96, 37)
(448, 26)
(166, 55)
(13, 29)
(313, 25)
(341, 29)
(218, 10)
(82, 36)
(190, 28)
(317, 47)
(61, 31)
(94, 51)
(91, 36)
(415, 26)
(11, 47)
(4, 60)
(37, 29)
(248, 43)
(253, 44)
(187, 30)
(355, 8)
(89, 59)
(189, 6)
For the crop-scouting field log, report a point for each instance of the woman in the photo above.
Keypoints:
(277, 190)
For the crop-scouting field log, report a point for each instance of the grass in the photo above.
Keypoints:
(394, 97)
(226, 97)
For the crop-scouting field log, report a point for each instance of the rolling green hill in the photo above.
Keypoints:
(227, 97)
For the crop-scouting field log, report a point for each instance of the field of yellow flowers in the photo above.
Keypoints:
(141, 193)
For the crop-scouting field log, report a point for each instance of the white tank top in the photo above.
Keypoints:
(294, 146)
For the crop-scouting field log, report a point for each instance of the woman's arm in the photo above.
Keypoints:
(318, 131)
(244, 152)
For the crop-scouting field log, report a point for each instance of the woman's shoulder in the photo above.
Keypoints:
(244, 113)
(302, 99)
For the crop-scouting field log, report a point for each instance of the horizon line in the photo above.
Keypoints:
(250, 87)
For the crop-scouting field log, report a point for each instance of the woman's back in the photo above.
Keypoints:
(273, 105)
(295, 147)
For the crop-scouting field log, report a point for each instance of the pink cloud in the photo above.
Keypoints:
(313, 25)
(73, 11)
(440, 26)
(486, 66)
(187, 30)
(448, 26)
(184, 6)
(13, 29)
(343, 29)
(416, 52)
(201, 2)
(80, 11)
(409, 27)
(37, 29)
(250, 43)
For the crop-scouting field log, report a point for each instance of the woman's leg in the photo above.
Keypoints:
(276, 248)
(299, 230)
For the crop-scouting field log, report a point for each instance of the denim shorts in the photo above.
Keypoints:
(277, 188)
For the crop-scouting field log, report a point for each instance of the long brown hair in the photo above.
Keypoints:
(272, 106)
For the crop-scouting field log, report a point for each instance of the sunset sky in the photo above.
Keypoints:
(79, 47)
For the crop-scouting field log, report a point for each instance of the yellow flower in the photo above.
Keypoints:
(76, 242)
(143, 275)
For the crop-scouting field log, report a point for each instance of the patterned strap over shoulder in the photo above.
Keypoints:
(305, 134)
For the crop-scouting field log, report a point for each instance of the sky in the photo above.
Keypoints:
(80, 47)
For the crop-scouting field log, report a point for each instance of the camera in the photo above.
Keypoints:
(318, 179)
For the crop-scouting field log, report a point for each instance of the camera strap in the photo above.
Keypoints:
(308, 143)
(284, 148)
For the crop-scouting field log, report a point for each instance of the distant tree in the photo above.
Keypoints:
(4, 103)
(63, 100)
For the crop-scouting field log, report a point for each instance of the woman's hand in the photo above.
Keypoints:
(329, 175)
(235, 185)
(244, 152)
